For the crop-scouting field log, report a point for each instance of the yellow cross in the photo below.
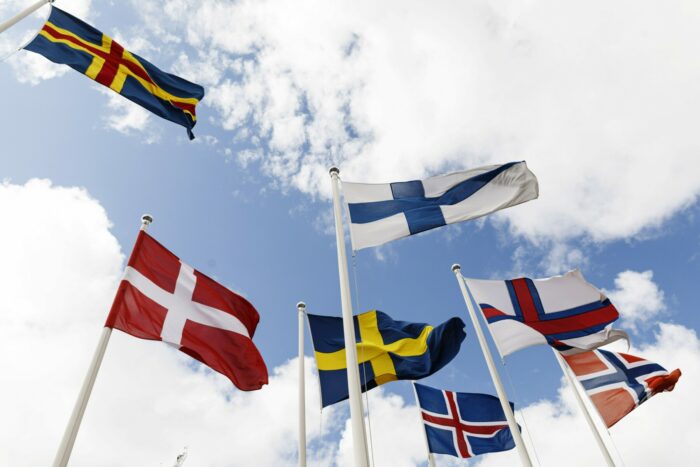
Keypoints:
(372, 348)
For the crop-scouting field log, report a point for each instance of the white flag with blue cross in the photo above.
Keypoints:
(380, 213)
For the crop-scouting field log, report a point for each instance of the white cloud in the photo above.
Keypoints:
(60, 269)
(127, 117)
(599, 99)
(637, 298)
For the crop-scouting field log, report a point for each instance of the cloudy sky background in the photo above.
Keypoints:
(601, 100)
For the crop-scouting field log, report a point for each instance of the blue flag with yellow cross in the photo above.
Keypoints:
(69, 41)
(387, 350)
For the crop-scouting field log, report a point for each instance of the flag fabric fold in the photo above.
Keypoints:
(565, 312)
(617, 383)
(387, 350)
(162, 298)
(66, 40)
(463, 424)
(380, 213)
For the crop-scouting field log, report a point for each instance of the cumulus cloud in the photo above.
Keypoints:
(637, 297)
(598, 99)
(60, 269)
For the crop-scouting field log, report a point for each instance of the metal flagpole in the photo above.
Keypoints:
(22, 14)
(575, 385)
(505, 404)
(431, 458)
(356, 412)
(301, 309)
(66, 446)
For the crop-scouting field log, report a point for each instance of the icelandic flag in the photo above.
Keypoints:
(380, 213)
(565, 312)
(463, 424)
(617, 383)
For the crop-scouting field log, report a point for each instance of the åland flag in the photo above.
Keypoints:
(617, 383)
(380, 213)
(67, 40)
(387, 350)
(463, 424)
(162, 298)
(563, 311)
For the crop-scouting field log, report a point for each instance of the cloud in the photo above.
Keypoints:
(60, 269)
(637, 297)
(599, 99)
(61, 266)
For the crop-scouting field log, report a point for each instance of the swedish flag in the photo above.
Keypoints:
(67, 40)
(387, 350)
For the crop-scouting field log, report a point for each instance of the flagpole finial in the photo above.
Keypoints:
(456, 267)
(146, 220)
(334, 170)
(301, 305)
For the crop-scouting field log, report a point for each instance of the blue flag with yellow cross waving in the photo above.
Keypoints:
(67, 40)
(387, 350)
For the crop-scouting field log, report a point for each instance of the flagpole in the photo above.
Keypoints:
(66, 446)
(22, 14)
(505, 404)
(301, 310)
(431, 458)
(356, 410)
(575, 385)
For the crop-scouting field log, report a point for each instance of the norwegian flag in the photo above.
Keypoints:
(565, 312)
(463, 424)
(162, 298)
(617, 383)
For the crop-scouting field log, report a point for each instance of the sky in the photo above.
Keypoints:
(600, 99)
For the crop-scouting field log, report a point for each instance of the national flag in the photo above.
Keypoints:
(380, 213)
(162, 298)
(67, 40)
(617, 382)
(563, 311)
(463, 424)
(387, 350)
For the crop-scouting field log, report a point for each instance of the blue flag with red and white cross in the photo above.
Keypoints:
(463, 424)
(617, 383)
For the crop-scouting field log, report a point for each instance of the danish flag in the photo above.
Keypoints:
(617, 383)
(162, 298)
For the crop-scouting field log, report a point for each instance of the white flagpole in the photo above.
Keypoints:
(505, 404)
(66, 446)
(356, 411)
(301, 309)
(431, 458)
(575, 385)
(22, 14)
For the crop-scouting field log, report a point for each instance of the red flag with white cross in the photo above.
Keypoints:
(162, 298)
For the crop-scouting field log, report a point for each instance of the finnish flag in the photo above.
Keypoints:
(383, 212)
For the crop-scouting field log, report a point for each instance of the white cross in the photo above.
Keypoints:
(180, 305)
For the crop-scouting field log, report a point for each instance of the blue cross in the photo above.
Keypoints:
(623, 375)
(421, 213)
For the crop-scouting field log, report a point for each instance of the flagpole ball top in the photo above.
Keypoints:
(301, 305)
(334, 170)
(146, 219)
(456, 267)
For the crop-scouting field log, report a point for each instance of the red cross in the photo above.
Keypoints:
(460, 428)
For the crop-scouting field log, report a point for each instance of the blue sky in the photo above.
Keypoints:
(247, 201)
